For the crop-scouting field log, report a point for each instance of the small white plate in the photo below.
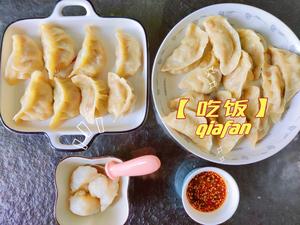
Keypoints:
(164, 85)
(222, 214)
(75, 26)
(115, 214)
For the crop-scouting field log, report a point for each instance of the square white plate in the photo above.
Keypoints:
(75, 25)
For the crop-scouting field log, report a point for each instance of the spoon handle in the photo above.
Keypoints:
(135, 167)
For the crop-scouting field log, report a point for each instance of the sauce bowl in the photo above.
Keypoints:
(225, 211)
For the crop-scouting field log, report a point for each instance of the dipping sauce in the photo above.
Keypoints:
(206, 192)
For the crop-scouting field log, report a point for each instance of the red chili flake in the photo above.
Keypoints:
(206, 192)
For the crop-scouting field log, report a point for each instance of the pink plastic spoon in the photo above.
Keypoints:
(135, 167)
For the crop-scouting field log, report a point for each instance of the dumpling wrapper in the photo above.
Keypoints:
(94, 96)
(189, 51)
(289, 65)
(82, 176)
(121, 99)
(273, 89)
(25, 58)
(237, 80)
(226, 42)
(67, 99)
(91, 59)
(59, 50)
(105, 189)
(188, 127)
(63, 74)
(228, 142)
(256, 46)
(37, 101)
(128, 54)
(202, 80)
(260, 126)
(83, 204)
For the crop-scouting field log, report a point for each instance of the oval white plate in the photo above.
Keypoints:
(115, 214)
(227, 209)
(164, 86)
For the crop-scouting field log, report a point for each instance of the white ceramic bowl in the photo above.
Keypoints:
(223, 213)
(115, 214)
(164, 85)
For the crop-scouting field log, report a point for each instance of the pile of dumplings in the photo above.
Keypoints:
(64, 84)
(219, 62)
(91, 191)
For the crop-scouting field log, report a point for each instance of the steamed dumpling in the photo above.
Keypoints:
(66, 101)
(59, 50)
(236, 81)
(273, 89)
(194, 98)
(99, 185)
(121, 99)
(225, 41)
(82, 176)
(129, 55)
(228, 142)
(83, 204)
(189, 51)
(289, 65)
(91, 58)
(94, 97)
(105, 189)
(255, 45)
(37, 100)
(25, 58)
(260, 126)
(202, 80)
(188, 127)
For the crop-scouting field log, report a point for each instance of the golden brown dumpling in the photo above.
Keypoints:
(188, 127)
(121, 99)
(91, 58)
(129, 55)
(289, 65)
(189, 51)
(94, 97)
(66, 101)
(260, 126)
(25, 58)
(37, 100)
(203, 80)
(236, 81)
(228, 142)
(226, 42)
(255, 45)
(59, 50)
(273, 89)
